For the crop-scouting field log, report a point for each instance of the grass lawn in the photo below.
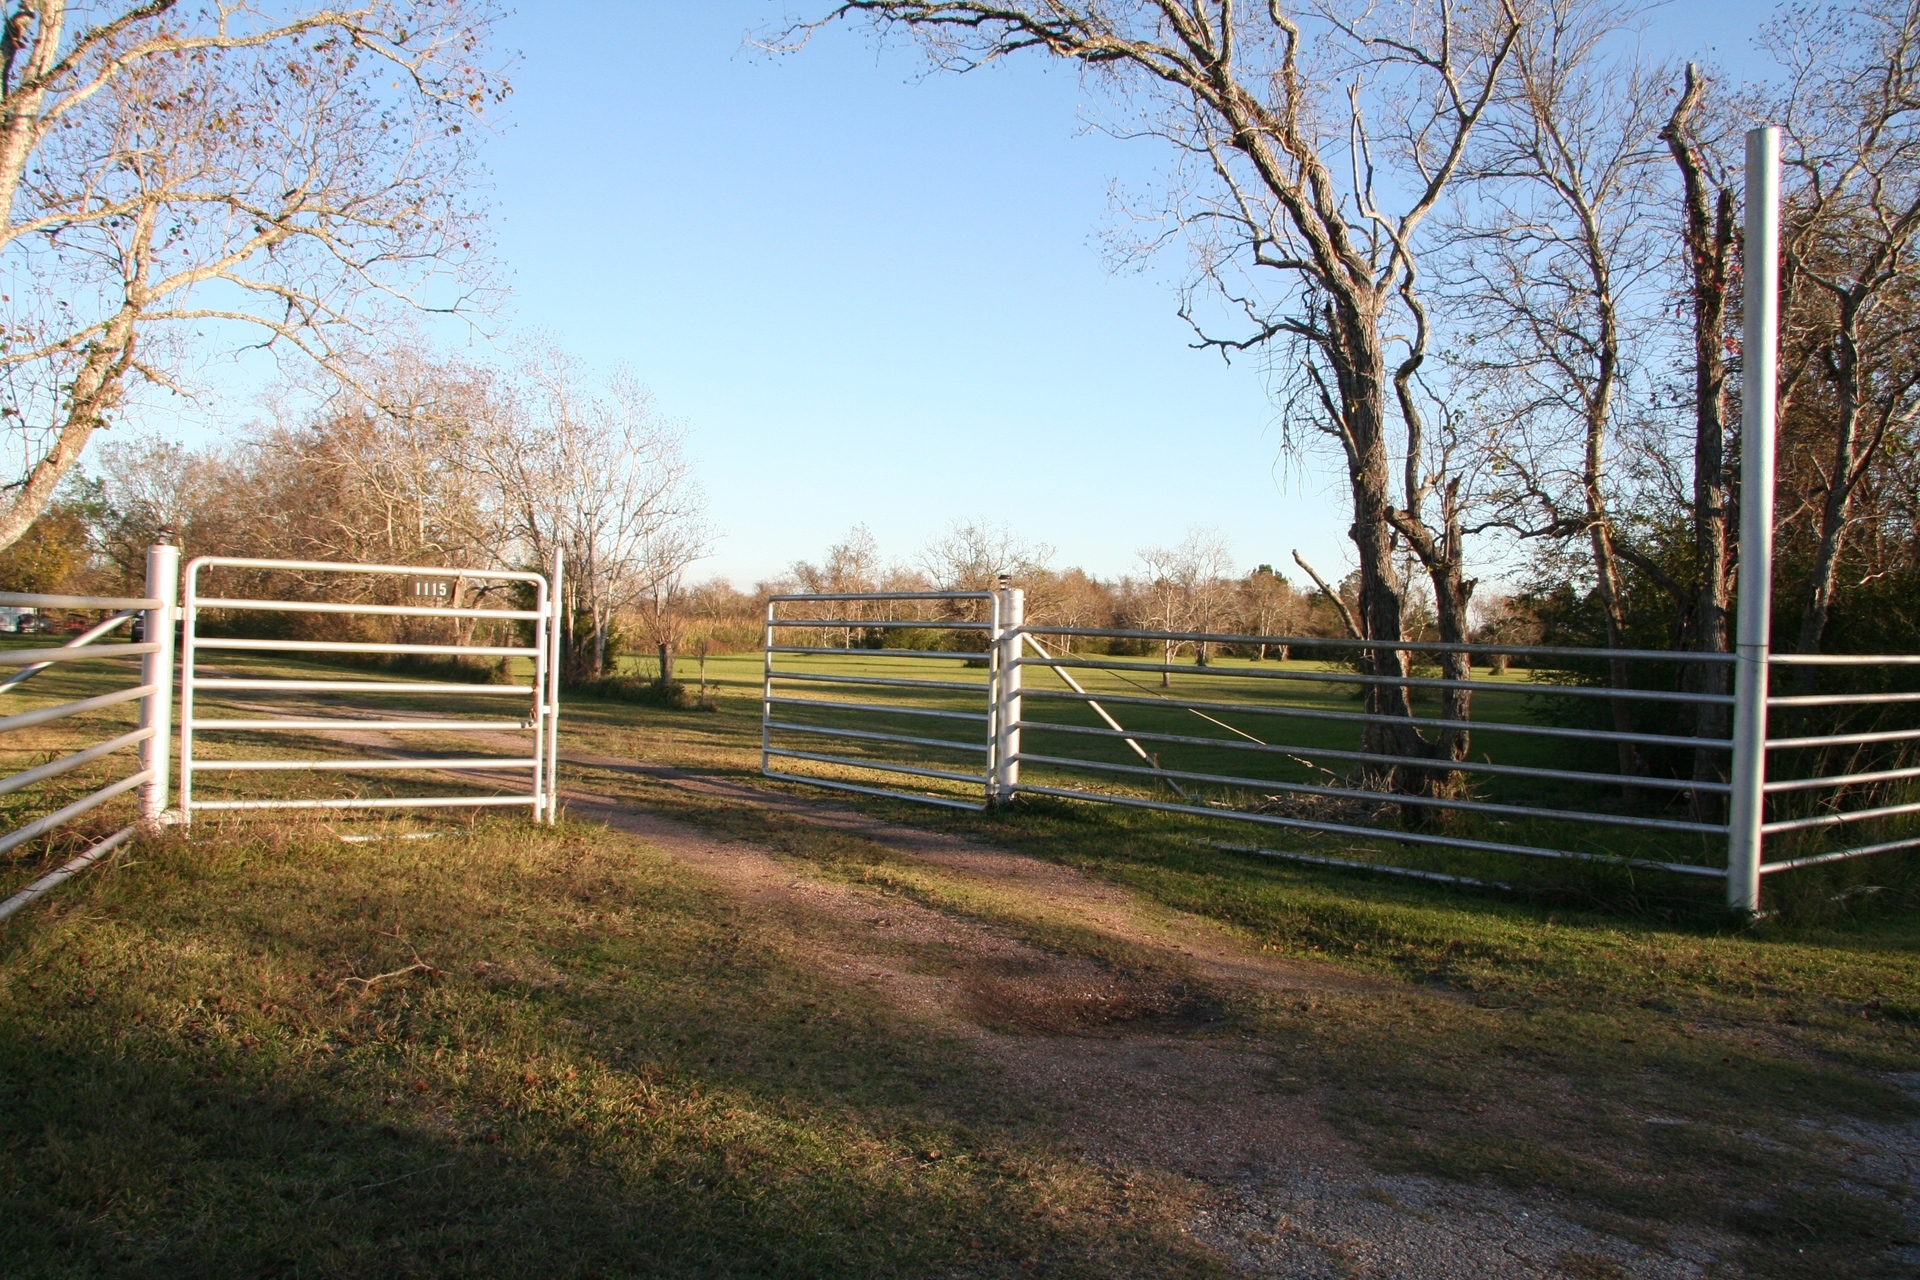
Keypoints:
(513, 1051)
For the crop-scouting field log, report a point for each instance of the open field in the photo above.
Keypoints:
(713, 1027)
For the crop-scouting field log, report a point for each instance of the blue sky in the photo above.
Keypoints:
(879, 296)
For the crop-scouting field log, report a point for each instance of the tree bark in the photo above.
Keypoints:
(1843, 473)
(1708, 235)
(1347, 260)
(93, 392)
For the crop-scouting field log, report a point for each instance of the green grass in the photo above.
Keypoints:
(581, 1063)
(1652, 1064)
(605, 1069)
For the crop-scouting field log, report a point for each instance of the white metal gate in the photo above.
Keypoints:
(541, 694)
(794, 720)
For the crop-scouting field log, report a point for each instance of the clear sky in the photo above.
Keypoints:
(879, 296)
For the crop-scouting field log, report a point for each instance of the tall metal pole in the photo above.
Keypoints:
(156, 669)
(543, 598)
(1760, 355)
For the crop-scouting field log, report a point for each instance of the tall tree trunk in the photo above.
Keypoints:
(1452, 594)
(1443, 558)
(1363, 385)
(1613, 612)
(1606, 561)
(1843, 476)
(1708, 235)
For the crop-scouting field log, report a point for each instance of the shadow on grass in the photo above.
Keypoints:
(519, 1053)
(1643, 1075)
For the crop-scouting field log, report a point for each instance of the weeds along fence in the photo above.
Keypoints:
(1555, 758)
(99, 762)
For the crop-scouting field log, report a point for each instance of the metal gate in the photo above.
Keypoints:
(541, 693)
(818, 717)
(1251, 741)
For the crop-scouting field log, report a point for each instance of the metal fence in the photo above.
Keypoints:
(1275, 730)
(159, 619)
(1554, 760)
(806, 723)
(149, 738)
(365, 700)
(1767, 780)
(1839, 759)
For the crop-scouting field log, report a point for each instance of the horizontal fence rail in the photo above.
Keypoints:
(146, 771)
(528, 773)
(1372, 746)
(892, 738)
(1841, 764)
(1283, 753)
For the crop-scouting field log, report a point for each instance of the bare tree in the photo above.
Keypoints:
(1190, 586)
(254, 172)
(973, 554)
(1560, 268)
(1267, 605)
(1851, 269)
(1709, 242)
(378, 469)
(852, 564)
(150, 485)
(598, 474)
(663, 612)
(1298, 129)
(1067, 598)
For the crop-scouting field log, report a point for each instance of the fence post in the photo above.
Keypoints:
(1746, 815)
(1006, 720)
(766, 690)
(556, 610)
(156, 669)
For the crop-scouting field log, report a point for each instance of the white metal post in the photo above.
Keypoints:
(1006, 722)
(541, 651)
(556, 598)
(189, 615)
(156, 669)
(1760, 362)
(766, 691)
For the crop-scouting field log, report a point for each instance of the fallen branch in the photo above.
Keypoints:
(1317, 768)
(352, 1191)
(418, 966)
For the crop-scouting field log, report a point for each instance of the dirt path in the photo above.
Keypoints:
(1112, 1055)
(1120, 1054)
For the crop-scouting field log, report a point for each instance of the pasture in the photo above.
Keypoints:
(712, 1026)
